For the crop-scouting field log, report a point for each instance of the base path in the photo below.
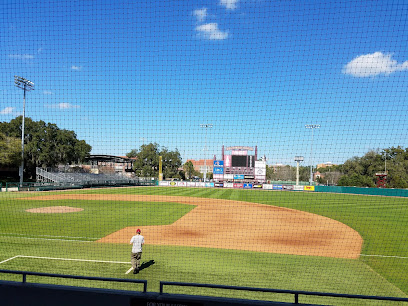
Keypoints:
(228, 224)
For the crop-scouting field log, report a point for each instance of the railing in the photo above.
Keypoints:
(48, 175)
(104, 279)
(293, 292)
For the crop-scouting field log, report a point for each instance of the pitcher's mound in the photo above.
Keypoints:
(54, 210)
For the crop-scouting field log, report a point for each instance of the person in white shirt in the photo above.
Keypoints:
(136, 255)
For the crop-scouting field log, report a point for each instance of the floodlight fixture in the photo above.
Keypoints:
(25, 85)
(206, 126)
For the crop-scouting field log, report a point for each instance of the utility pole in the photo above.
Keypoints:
(206, 126)
(25, 85)
(312, 127)
(298, 159)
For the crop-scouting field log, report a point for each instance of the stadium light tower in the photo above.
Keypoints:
(298, 159)
(206, 126)
(312, 127)
(25, 85)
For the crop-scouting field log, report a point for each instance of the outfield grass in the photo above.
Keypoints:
(381, 221)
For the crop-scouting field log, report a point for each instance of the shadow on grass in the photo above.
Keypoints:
(146, 265)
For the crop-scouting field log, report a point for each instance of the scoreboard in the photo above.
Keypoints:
(242, 161)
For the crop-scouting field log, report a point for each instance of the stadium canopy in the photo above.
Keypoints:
(108, 158)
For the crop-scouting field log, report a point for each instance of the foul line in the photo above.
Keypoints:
(128, 271)
(73, 259)
(24, 235)
(9, 259)
(75, 239)
(69, 259)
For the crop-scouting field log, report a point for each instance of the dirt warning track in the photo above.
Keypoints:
(228, 224)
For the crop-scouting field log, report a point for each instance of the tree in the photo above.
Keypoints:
(189, 169)
(10, 151)
(147, 161)
(46, 145)
(171, 163)
(357, 180)
(286, 173)
(361, 171)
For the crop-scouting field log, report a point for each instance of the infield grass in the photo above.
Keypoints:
(381, 221)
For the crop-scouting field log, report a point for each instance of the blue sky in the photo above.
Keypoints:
(123, 73)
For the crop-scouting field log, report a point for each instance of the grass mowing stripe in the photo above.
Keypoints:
(384, 256)
(384, 231)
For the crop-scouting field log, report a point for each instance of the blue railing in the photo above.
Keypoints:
(295, 293)
(104, 279)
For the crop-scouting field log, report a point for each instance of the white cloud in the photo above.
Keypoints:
(76, 68)
(373, 64)
(200, 14)
(211, 31)
(67, 106)
(229, 4)
(63, 106)
(7, 110)
(47, 92)
(21, 56)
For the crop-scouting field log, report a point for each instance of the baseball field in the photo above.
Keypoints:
(284, 240)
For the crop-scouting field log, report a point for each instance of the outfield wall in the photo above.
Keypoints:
(364, 191)
(327, 189)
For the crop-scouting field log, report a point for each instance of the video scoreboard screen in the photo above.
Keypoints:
(242, 161)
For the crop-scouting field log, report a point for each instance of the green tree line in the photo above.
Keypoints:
(356, 171)
(45, 145)
(146, 163)
(361, 171)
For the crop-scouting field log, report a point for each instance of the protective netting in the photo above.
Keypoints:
(257, 143)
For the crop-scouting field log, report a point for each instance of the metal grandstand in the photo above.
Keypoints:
(84, 179)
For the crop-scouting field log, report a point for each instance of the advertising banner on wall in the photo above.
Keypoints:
(218, 176)
(260, 171)
(261, 178)
(182, 184)
(227, 160)
(287, 187)
(239, 177)
(238, 185)
(172, 183)
(249, 177)
(267, 186)
(228, 176)
(260, 164)
(200, 184)
(309, 188)
(247, 186)
(239, 152)
(218, 170)
(277, 187)
(298, 187)
(218, 163)
(228, 185)
(164, 183)
(219, 185)
(257, 186)
(191, 184)
(209, 184)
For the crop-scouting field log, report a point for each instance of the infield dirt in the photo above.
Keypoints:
(228, 224)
